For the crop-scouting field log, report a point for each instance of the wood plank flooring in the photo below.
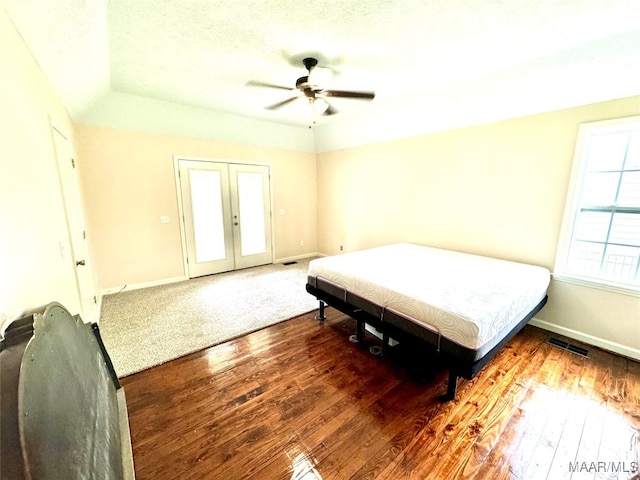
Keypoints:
(299, 401)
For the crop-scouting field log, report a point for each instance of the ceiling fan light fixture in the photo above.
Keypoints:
(318, 105)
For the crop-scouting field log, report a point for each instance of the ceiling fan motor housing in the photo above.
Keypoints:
(306, 87)
(303, 84)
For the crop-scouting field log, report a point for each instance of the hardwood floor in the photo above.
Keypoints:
(299, 401)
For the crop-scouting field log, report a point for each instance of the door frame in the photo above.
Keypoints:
(179, 199)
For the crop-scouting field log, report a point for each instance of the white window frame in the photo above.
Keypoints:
(572, 204)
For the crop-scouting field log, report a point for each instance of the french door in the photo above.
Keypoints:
(227, 216)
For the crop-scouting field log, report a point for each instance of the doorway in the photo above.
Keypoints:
(226, 216)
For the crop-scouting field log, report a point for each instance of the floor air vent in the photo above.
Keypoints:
(583, 352)
(289, 263)
(557, 343)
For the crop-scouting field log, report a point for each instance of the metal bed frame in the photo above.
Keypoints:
(459, 360)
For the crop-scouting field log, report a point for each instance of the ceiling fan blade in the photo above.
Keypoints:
(282, 103)
(257, 83)
(349, 94)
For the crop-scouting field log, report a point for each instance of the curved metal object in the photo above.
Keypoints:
(63, 410)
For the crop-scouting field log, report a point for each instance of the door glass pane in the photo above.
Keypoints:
(251, 205)
(206, 204)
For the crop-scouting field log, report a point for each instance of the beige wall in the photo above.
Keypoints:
(497, 189)
(35, 253)
(129, 182)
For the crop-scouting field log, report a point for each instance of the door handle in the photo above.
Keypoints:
(81, 262)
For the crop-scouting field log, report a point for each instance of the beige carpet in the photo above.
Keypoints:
(147, 327)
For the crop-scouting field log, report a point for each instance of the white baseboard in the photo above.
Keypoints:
(296, 257)
(164, 281)
(608, 345)
(137, 286)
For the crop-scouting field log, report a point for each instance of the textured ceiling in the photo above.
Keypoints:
(201, 53)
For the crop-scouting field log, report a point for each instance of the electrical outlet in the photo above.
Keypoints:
(302, 243)
(164, 219)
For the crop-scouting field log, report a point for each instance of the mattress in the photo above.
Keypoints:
(468, 299)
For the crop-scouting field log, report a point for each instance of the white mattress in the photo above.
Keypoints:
(467, 299)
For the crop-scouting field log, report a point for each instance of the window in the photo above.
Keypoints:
(601, 234)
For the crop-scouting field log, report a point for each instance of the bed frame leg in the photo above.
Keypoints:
(359, 330)
(320, 315)
(385, 344)
(451, 387)
(357, 337)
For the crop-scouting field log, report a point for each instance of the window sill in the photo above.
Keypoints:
(600, 285)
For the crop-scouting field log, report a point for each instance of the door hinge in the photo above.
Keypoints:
(73, 163)
(84, 234)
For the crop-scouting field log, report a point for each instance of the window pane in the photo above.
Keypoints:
(605, 239)
(633, 154)
(629, 195)
(625, 229)
(620, 263)
(585, 258)
(607, 151)
(592, 226)
(600, 188)
(206, 203)
(251, 204)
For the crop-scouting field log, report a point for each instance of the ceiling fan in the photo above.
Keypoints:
(316, 95)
